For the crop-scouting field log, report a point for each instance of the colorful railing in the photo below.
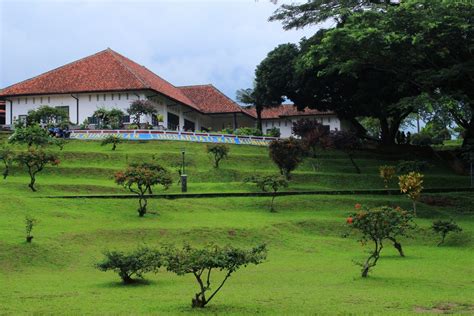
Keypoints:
(172, 135)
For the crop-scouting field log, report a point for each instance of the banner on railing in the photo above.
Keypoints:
(178, 136)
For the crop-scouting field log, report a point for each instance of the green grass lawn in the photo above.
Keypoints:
(310, 268)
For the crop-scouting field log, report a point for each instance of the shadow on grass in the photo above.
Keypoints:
(135, 283)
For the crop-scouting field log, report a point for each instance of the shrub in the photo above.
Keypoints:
(287, 154)
(47, 115)
(228, 131)
(30, 222)
(377, 225)
(405, 166)
(273, 132)
(201, 262)
(112, 139)
(139, 108)
(140, 178)
(344, 141)
(6, 156)
(421, 139)
(128, 265)
(269, 184)
(31, 135)
(311, 133)
(248, 131)
(34, 160)
(386, 173)
(217, 152)
(411, 184)
(443, 228)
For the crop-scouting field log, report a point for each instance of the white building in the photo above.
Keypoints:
(108, 79)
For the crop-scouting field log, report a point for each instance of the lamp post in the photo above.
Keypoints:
(184, 177)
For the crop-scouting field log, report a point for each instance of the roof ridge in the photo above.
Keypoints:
(57, 68)
(116, 57)
(195, 85)
(218, 91)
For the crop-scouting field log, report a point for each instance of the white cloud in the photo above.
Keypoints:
(185, 42)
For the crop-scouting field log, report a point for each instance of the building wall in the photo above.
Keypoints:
(285, 124)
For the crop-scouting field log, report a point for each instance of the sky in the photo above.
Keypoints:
(185, 42)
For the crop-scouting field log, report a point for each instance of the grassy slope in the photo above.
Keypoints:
(309, 269)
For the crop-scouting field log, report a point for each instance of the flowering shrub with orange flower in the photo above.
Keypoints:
(377, 225)
(411, 184)
(140, 178)
(34, 160)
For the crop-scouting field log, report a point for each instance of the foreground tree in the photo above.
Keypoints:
(112, 139)
(411, 184)
(132, 264)
(443, 228)
(217, 152)
(269, 184)
(34, 160)
(140, 178)
(287, 154)
(138, 108)
(202, 262)
(377, 225)
(7, 156)
(31, 135)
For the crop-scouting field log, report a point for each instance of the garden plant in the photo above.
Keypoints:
(287, 154)
(34, 160)
(411, 184)
(443, 228)
(30, 222)
(217, 152)
(271, 184)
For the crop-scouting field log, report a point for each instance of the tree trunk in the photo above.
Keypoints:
(143, 204)
(386, 132)
(258, 109)
(468, 141)
(353, 163)
(114, 146)
(398, 246)
(272, 209)
(32, 183)
(198, 302)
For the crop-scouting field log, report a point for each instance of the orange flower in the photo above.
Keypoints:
(358, 206)
(349, 220)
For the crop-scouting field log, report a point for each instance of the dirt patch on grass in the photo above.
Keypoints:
(446, 308)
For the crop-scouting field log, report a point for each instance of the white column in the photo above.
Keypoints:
(181, 118)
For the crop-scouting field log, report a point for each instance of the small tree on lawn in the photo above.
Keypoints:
(287, 154)
(443, 228)
(344, 141)
(139, 108)
(217, 152)
(311, 132)
(34, 160)
(47, 115)
(112, 139)
(202, 262)
(140, 178)
(411, 184)
(31, 135)
(6, 156)
(269, 184)
(377, 225)
(132, 264)
(387, 173)
(30, 222)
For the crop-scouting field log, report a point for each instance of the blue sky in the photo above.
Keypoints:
(185, 42)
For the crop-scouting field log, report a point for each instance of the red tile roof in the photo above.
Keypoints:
(285, 110)
(210, 100)
(104, 71)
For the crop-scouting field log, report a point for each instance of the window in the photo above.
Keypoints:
(41, 100)
(90, 98)
(279, 123)
(286, 122)
(22, 118)
(97, 99)
(34, 99)
(105, 97)
(49, 99)
(119, 95)
(127, 96)
(126, 119)
(18, 101)
(329, 120)
(112, 96)
(273, 123)
(26, 100)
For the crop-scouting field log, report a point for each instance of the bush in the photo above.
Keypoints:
(377, 225)
(421, 139)
(443, 228)
(411, 184)
(34, 161)
(287, 154)
(386, 173)
(405, 166)
(48, 115)
(248, 131)
(269, 184)
(227, 130)
(128, 265)
(140, 178)
(112, 139)
(201, 262)
(217, 152)
(139, 108)
(31, 135)
(7, 156)
(273, 132)
(30, 222)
